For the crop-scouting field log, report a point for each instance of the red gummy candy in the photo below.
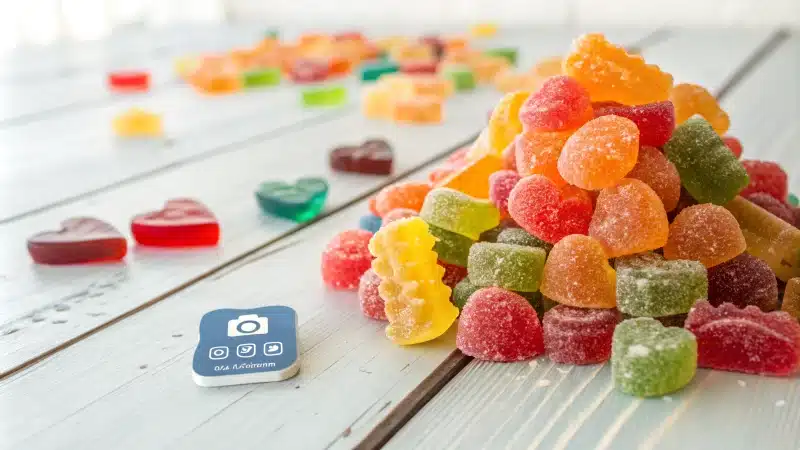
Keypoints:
(499, 325)
(346, 258)
(374, 157)
(744, 280)
(420, 67)
(309, 71)
(546, 211)
(372, 305)
(745, 340)
(452, 274)
(80, 240)
(766, 176)
(579, 335)
(560, 104)
(182, 223)
(654, 120)
(771, 204)
(500, 185)
(129, 81)
(734, 144)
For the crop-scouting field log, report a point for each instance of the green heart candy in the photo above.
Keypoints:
(301, 201)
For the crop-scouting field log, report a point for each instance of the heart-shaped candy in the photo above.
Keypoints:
(80, 240)
(577, 274)
(182, 222)
(374, 156)
(301, 201)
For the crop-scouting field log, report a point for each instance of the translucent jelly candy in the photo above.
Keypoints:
(560, 104)
(600, 153)
(766, 176)
(487, 67)
(705, 233)
(577, 274)
(372, 305)
(301, 201)
(648, 359)
(308, 71)
(345, 259)
(133, 81)
(655, 121)
(370, 222)
(708, 170)
(374, 156)
(650, 286)
(324, 96)
(431, 85)
(80, 240)
(181, 223)
(611, 74)
(137, 122)
(500, 185)
(408, 195)
(629, 218)
(537, 153)
(498, 325)
(420, 110)
(509, 53)
(734, 145)
(397, 214)
(549, 212)
(376, 102)
(417, 302)
(473, 178)
(261, 77)
(461, 76)
(745, 340)
(452, 248)
(512, 267)
(518, 236)
(373, 71)
(457, 212)
(579, 335)
(775, 207)
(743, 281)
(504, 123)
(656, 171)
(419, 67)
(791, 298)
(453, 274)
(691, 99)
(463, 290)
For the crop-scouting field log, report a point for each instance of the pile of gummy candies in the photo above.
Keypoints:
(599, 217)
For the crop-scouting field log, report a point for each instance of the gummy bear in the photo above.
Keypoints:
(345, 259)
(500, 185)
(397, 214)
(518, 236)
(372, 305)
(705, 233)
(577, 273)
(504, 123)
(370, 222)
(579, 335)
(745, 340)
(374, 156)
(324, 96)
(656, 171)
(744, 280)
(561, 104)
(452, 248)
(600, 153)
(409, 195)
(473, 178)
(549, 212)
(691, 99)
(536, 153)
(457, 212)
(181, 223)
(417, 302)
(418, 110)
(655, 121)
(766, 176)
(791, 298)
(735, 145)
(301, 201)
(80, 240)
(775, 207)
(512, 267)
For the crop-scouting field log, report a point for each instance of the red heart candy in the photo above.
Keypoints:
(560, 104)
(182, 223)
(374, 156)
(80, 240)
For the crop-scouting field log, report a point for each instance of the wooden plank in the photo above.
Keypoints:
(539, 404)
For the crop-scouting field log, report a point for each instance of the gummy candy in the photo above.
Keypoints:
(509, 53)
(791, 298)
(577, 274)
(181, 223)
(345, 259)
(408, 195)
(453, 274)
(417, 302)
(708, 169)
(499, 325)
(706, 233)
(261, 77)
(600, 153)
(308, 71)
(301, 201)
(734, 145)
(370, 222)
(397, 214)
(500, 185)
(137, 122)
(510, 81)
(431, 86)
(629, 218)
(463, 290)
(549, 212)
(611, 74)
(436, 45)
(458, 212)
(372, 305)
(793, 200)
(461, 76)
(509, 157)
(216, 82)
(537, 153)
(648, 359)
(775, 207)
(483, 29)
(374, 156)
(452, 248)
(324, 96)
(655, 121)
(744, 280)
(419, 110)
(376, 102)
(473, 178)
(766, 176)
(134, 81)
(656, 171)
(560, 104)
(504, 123)
(691, 99)
(512, 267)
(80, 240)
(745, 340)
(579, 335)
(487, 67)
(373, 71)
(650, 286)
(518, 236)
(548, 67)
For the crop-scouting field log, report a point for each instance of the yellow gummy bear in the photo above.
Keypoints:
(609, 73)
(417, 301)
(691, 99)
(137, 122)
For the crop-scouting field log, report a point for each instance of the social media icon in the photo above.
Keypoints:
(273, 348)
(218, 353)
(246, 350)
(247, 325)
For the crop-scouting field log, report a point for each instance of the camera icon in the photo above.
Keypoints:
(247, 325)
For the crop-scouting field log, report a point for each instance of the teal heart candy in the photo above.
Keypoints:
(301, 201)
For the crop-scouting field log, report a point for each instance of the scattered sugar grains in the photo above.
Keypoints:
(543, 383)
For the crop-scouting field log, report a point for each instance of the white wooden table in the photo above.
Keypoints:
(99, 357)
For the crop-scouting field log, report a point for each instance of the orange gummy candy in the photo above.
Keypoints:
(660, 174)
(431, 85)
(791, 298)
(473, 179)
(424, 110)
(600, 153)
(691, 99)
(610, 74)
(537, 153)
(504, 124)
(629, 218)
(706, 233)
(376, 102)
(548, 67)
(577, 274)
(486, 67)
(408, 195)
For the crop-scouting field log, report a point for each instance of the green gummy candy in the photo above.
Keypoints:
(262, 77)
(373, 71)
(650, 286)
(452, 248)
(324, 96)
(491, 235)
(301, 201)
(708, 169)
(271, 34)
(458, 212)
(793, 200)
(462, 77)
(465, 288)
(512, 267)
(648, 359)
(518, 236)
(508, 53)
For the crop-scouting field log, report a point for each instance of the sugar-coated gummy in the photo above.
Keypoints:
(409, 195)
(345, 259)
(690, 99)
(745, 340)
(793, 200)
(453, 274)
(518, 236)
(655, 121)
(560, 104)
(706, 233)
(452, 248)
(372, 305)
(458, 212)
(537, 153)
(504, 123)
(547, 211)
(744, 280)
(397, 214)
(734, 144)
(500, 185)
(579, 335)
(660, 174)
(648, 359)
(499, 325)
(370, 222)
(766, 176)
(463, 290)
(473, 178)
(512, 267)
(791, 298)
(771, 204)
(577, 273)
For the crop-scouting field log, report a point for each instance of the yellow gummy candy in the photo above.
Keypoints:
(417, 301)
(137, 123)
(485, 29)
(504, 124)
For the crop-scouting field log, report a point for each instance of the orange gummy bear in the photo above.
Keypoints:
(473, 179)
(537, 153)
(706, 233)
(408, 195)
(691, 99)
(577, 274)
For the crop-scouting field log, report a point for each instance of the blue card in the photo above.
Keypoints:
(239, 346)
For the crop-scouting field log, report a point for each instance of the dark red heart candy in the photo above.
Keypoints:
(374, 157)
(80, 240)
